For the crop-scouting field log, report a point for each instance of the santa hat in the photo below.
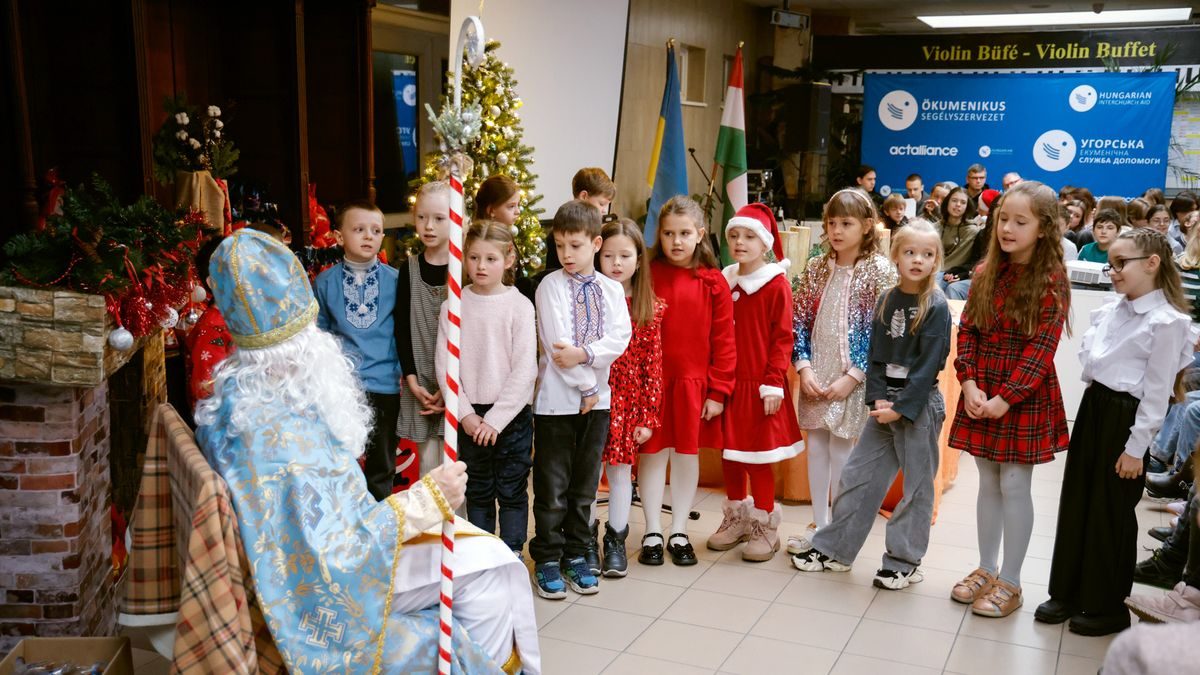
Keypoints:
(989, 197)
(758, 219)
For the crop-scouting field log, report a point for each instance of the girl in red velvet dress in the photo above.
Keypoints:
(759, 423)
(635, 380)
(698, 364)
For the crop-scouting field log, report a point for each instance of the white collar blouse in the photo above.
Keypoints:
(1138, 347)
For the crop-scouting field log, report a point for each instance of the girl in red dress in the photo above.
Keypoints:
(759, 423)
(698, 369)
(635, 380)
(1010, 415)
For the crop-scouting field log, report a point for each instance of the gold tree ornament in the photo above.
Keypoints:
(489, 86)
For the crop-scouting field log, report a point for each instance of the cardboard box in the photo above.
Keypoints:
(82, 651)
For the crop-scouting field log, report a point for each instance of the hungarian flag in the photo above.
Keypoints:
(731, 151)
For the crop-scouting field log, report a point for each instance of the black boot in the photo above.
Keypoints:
(1161, 532)
(1163, 569)
(592, 553)
(615, 561)
(1171, 485)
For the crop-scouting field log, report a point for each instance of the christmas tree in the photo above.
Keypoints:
(499, 150)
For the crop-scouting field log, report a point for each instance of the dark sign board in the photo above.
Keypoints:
(1050, 49)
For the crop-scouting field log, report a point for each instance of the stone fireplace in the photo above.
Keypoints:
(73, 420)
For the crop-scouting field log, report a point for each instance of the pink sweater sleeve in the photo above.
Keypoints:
(520, 374)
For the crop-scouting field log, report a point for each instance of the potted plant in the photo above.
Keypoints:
(192, 151)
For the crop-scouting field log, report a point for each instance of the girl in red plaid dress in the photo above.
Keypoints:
(635, 380)
(1010, 415)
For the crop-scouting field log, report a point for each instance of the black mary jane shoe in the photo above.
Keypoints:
(681, 554)
(1099, 624)
(1053, 611)
(653, 554)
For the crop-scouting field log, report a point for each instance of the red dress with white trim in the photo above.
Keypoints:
(762, 328)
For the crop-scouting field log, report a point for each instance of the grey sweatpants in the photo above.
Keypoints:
(882, 450)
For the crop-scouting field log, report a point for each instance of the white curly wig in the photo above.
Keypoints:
(307, 375)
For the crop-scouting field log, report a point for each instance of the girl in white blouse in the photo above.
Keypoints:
(1130, 354)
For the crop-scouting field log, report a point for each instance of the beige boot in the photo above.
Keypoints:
(734, 528)
(764, 535)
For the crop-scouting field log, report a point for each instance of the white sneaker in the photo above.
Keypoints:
(893, 581)
(815, 561)
(798, 544)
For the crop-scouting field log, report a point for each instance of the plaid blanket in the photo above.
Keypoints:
(184, 520)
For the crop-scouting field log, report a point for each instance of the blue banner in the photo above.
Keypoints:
(404, 90)
(1108, 132)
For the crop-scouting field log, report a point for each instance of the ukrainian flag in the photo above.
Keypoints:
(668, 158)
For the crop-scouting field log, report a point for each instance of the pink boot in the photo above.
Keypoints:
(734, 529)
(1180, 605)
(764, 535)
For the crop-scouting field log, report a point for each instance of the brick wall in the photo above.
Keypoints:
(55, 529)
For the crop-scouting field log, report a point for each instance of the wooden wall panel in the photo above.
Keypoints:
(81, 85)
(715, 25)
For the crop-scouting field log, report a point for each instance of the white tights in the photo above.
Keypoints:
(827, 455)
(620, 494)
(1004, 512)
(652, 479)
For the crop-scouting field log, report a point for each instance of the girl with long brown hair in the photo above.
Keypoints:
(698, 374)
(635, 380)
(1010, 415)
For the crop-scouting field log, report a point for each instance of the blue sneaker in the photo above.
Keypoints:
(580, 577)
(549, 581)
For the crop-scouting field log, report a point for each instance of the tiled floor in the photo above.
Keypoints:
(728, 616)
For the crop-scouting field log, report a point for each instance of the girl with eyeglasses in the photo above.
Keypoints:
(1130, 355)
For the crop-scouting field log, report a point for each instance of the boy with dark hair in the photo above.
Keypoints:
(914, 186)
(864, 179)
(583, 326)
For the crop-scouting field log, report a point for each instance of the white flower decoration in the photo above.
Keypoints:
(194, 143)
(216, 133)
(218, 124)
(214, 111)
(181, 135)
(182, 118)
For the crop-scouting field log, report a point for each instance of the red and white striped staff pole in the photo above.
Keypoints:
(470, 36)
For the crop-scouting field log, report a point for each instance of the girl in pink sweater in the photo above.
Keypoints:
(497, 373)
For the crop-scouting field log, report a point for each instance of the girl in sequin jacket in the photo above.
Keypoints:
(832, 326)
(635, 380)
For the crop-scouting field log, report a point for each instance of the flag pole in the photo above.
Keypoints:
(712, 181)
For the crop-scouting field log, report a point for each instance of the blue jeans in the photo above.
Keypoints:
(500, 473)
(1180, 431)
(958, 290)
